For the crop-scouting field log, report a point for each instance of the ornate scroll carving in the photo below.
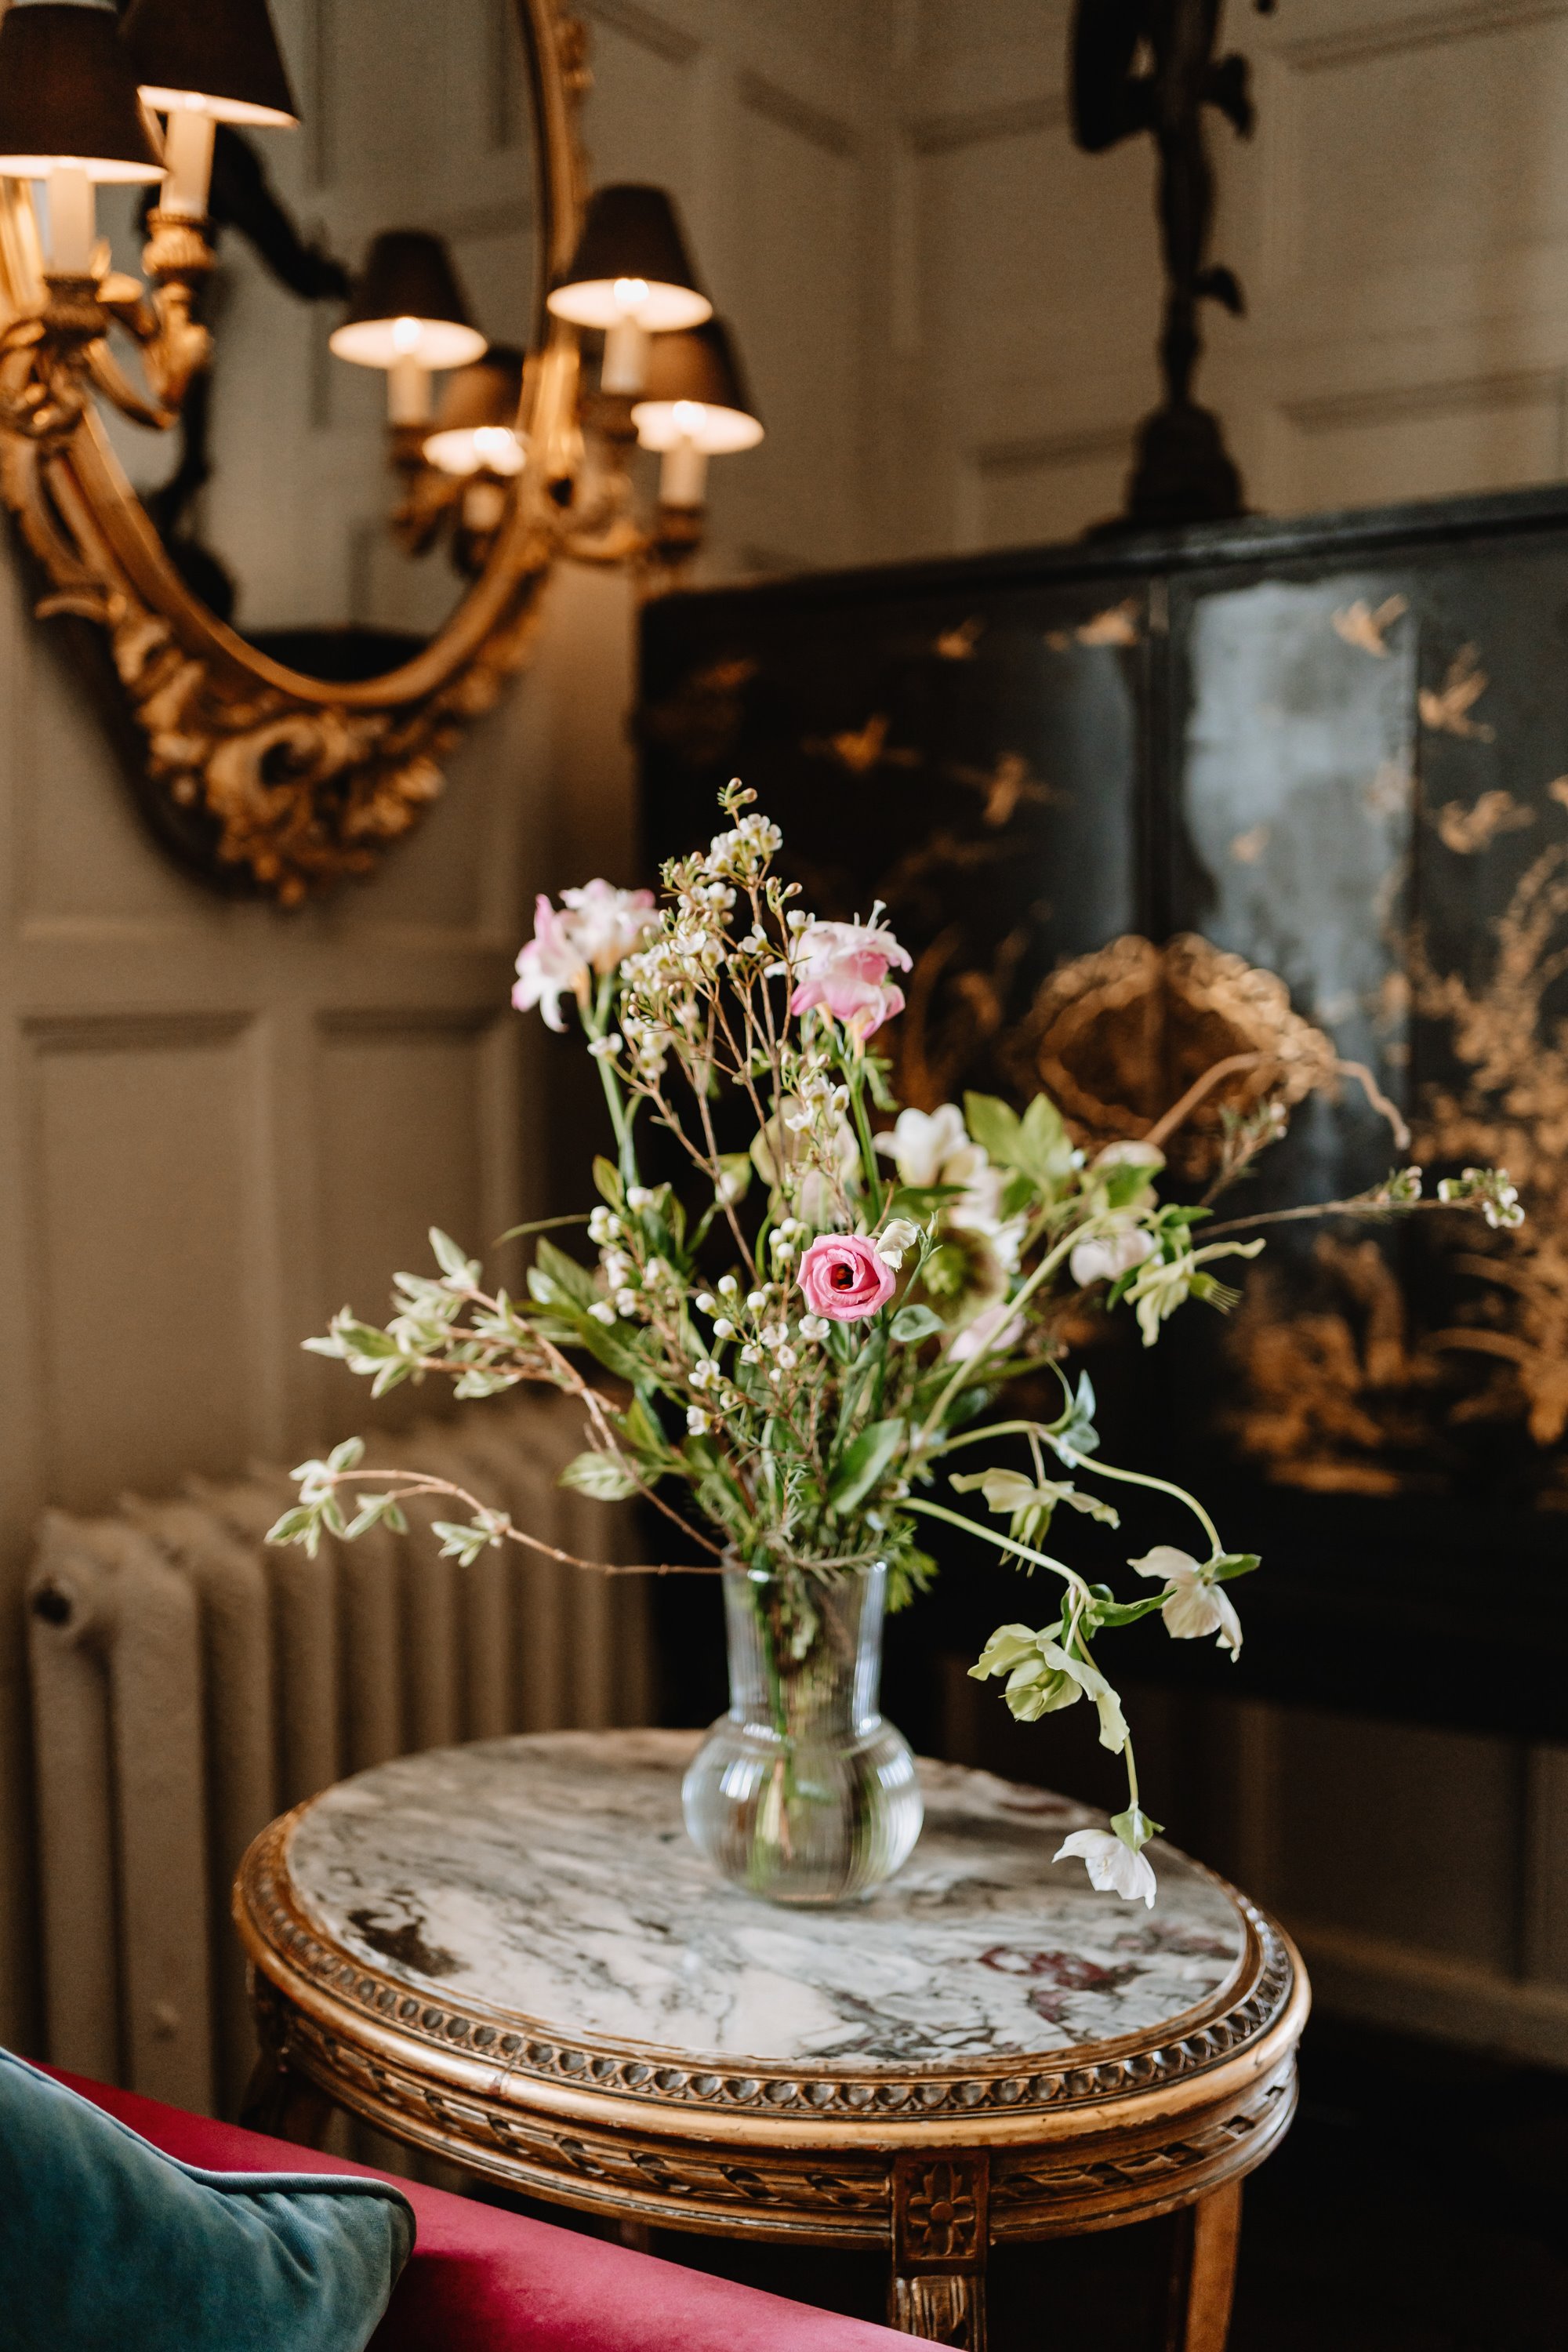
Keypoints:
(1116, 1037)
(260, 777)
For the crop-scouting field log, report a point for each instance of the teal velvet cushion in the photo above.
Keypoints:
(108, 2244)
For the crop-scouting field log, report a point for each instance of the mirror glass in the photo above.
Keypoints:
(276, 494)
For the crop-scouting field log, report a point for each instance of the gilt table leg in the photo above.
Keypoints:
(941, 2239)
(1203, 2277)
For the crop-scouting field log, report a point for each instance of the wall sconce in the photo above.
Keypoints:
(198, 65)
(471, 460)
(632, 277)
(695, 406)
(73, 91)
(69, 116)
(408, 316)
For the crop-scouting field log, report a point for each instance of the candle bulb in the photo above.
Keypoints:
(408, 393)
(625, 368)
(683, 472)
(72, 221)
(188, 153)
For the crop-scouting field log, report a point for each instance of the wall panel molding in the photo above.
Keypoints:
(1425, 28)
(649, 30)
(760, 94)
(1016, 117)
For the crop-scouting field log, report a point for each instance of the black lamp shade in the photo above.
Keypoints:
(698, 371)
(631, 235)
(219, 56)
(67, 95)
(476, 427)
(408, 276)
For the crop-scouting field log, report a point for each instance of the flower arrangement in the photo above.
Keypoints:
(805, 1335)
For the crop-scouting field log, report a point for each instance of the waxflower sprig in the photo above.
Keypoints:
(801, 1339)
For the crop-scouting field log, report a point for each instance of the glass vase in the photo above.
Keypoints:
(802, 1792)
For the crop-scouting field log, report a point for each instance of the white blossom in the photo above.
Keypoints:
(932, 1148)
(640, 1197)
(1194, 1603)
(1112, 1867)
(602, 1311)
(814, 1326)
(895, 1240)
(697, 1420)
(1104, 1256)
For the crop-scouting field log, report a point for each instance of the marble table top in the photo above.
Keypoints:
(550, 1878)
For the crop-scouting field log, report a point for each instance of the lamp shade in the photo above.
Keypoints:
(631, 262)
(67, 95)
(408, 304)
(696, 392)
(217, 57)
(476, 424)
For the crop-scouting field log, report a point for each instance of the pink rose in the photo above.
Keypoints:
(844, 966)
(844, 1278)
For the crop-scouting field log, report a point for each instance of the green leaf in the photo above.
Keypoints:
(1135, 1827)
(601, 1475)
(293, 1527)
(450, 1258)
(1236, 1563)
(864, 1463)
(348, 1455)
(571, 1280)
(1121, 1612)
(995, 1125)
(608, 1180)
(912, 1324)
(1045, 1148)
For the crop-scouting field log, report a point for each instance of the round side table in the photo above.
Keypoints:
(510, 1954)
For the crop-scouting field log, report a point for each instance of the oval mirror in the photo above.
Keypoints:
(325, 566)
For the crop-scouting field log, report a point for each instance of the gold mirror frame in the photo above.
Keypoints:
(260, 777)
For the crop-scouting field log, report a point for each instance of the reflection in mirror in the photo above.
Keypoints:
(293, 495)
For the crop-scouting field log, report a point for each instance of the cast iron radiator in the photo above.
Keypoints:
(189, 1683)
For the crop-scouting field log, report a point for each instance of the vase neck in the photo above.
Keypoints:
(805, 1655)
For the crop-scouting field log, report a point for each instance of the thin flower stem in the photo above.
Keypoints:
(965, 1373)
(403, 1484)
(1098, 1469)
(1003, 1543)
(1359, 1204)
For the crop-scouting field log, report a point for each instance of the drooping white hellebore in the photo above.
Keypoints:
(1194, 1604)
(1113, 1868)
(891, 1244)
(1105, 1256)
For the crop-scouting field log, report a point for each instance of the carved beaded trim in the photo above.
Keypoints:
(1078, 2080)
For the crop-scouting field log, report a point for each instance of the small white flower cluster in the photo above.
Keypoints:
(742, 852)
(1489, 1189)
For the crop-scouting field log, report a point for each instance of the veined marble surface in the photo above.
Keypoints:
(551, 1878)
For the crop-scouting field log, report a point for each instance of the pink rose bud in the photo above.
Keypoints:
(843, 1278)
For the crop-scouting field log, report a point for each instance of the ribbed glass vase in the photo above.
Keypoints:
(802, 1792)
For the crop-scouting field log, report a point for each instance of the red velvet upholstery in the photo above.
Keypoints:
(484, 2281)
